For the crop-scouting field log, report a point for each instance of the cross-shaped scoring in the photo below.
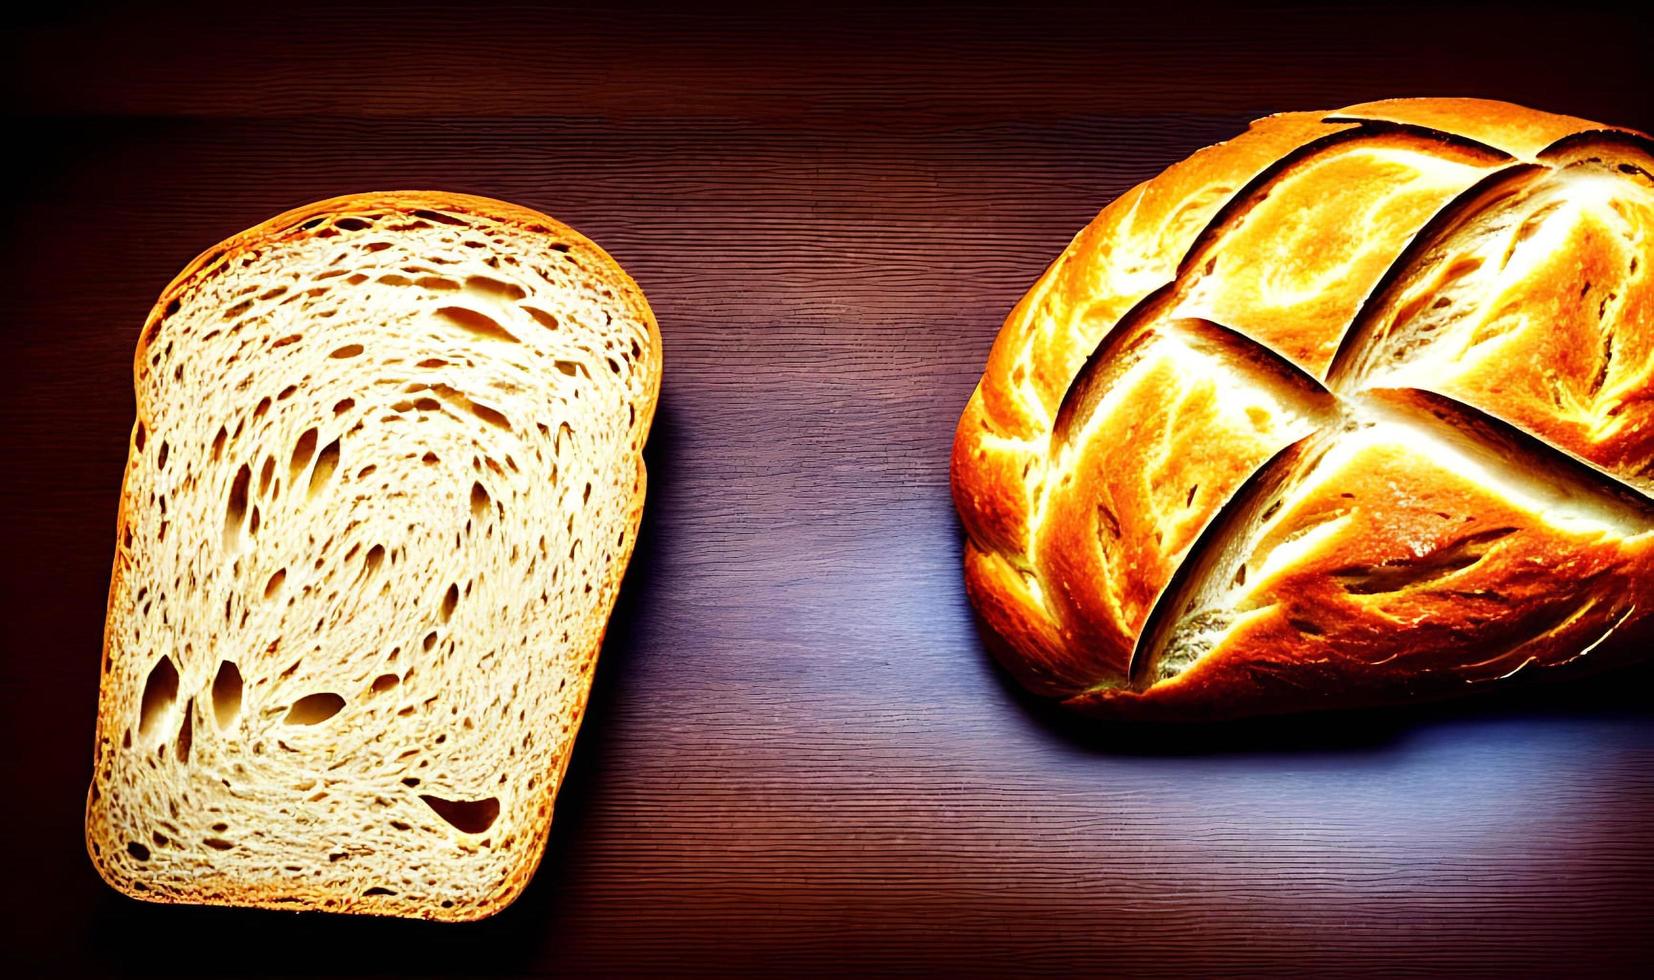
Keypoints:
(1350, 408)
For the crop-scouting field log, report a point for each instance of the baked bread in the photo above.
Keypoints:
(1354, 408)
(383, 484)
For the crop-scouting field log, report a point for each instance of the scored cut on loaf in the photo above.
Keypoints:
(385, 479)
(1356, 407)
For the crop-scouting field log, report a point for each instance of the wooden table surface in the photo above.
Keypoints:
(798, 756)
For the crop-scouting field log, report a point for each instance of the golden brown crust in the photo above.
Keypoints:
(1519, 131)
(100, 844)
(1084, 487)
(1130, 250)
(1550, 330)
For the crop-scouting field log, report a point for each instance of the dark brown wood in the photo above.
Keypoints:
(799, 757)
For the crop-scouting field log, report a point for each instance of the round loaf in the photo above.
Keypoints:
(1354, 408)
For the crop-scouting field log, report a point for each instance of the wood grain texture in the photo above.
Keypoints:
(798, 756)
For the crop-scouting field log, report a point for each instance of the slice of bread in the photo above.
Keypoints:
(384, 482)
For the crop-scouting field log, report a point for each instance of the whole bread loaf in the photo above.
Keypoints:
(383, 484)
(1354, 408)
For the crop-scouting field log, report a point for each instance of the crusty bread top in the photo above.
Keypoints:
(1483, 265)
(383, 484)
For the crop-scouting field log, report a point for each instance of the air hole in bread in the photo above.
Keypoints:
(377, 890)
(326, 462)
(226, 693)
(302, 451)
(186, 732)
(137, 850)
(494, 287)
(235, 509)
(489, 415)
(571, 368)
(439, 217)
(348, 350)
(218, 843)
(479, 500)
(466, 816)
(313, 709)
(160, 691)
(385, 682)
(449, 601)
(374, 558)
(541, 317)
(475, 323)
